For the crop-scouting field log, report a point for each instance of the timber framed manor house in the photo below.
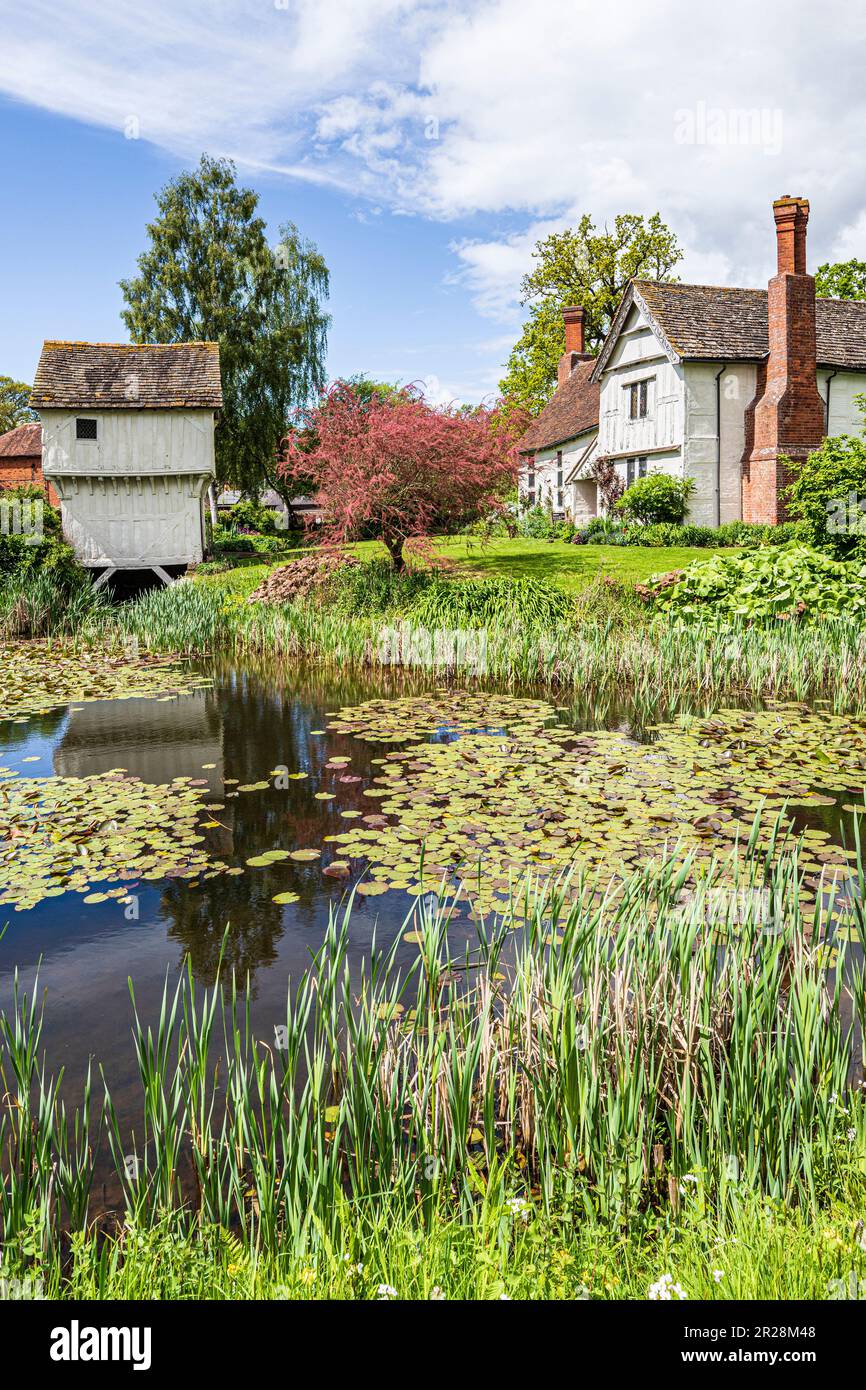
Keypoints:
(715, 384)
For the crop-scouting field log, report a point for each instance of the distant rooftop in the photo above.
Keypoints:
(571, 411)
(23, 442)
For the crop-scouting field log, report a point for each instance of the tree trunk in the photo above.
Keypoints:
(395, 550)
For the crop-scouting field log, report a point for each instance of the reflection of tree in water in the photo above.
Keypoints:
(199, 916)
(12, 735)
(266, 718)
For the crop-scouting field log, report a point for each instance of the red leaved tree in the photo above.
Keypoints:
(389, 465)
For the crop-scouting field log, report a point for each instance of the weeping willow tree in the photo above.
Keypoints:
(209, 273)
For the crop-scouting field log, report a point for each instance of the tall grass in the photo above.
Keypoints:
(597, 1059)
(536, 603)
(43, 603)
(651, 669)
(758, 1250)
(375, 587)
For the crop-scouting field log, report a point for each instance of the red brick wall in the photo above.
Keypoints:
(573, 318)
(21, 470)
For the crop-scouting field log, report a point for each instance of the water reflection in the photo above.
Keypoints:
(251, 722)
(231, 736)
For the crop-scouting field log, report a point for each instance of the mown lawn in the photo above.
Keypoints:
(572, 567)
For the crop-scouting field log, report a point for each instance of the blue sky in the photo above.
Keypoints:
(89, 192)
(423, 146)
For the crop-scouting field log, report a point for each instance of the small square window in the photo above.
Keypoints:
(85, 429)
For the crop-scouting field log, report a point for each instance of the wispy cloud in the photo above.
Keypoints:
(504, 118)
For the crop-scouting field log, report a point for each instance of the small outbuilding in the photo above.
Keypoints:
(128, 443)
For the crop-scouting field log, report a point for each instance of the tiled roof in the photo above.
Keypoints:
(571, 410)
(23, 442)
(124, 376)
(710, 321)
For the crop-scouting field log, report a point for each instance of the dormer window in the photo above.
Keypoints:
(85, 429)
(638, 400)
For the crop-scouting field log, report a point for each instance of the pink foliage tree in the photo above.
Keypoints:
(389, 465)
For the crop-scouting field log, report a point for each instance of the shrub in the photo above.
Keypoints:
(668, 533)
(225, 540)
(829, 495)
(535, 524)
(770, 583)
(253, 516)
(657, 497)
(742, 534)
(20, 560)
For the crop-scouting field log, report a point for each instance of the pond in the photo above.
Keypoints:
(261, 763)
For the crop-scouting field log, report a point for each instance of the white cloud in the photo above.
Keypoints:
(851, 241)
(454, 108)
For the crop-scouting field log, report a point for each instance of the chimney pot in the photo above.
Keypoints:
(573, 317)
(792, 217)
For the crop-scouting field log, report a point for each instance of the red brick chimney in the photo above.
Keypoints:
(573, 317)
(786, 418)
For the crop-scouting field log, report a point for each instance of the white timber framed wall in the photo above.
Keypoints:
(651, 442)
(133, 497)
(548, 481)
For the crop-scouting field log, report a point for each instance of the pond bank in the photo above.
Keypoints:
(657, 667)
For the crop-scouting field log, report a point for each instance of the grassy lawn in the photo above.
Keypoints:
(572, 567)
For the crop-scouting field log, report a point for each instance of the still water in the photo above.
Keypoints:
(245, 726)
(236, 733)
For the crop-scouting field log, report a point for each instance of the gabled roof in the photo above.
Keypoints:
(128, 376)
(571, 411)
(23, 442)
(716, 323)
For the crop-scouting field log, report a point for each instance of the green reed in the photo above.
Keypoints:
(648, 669)
(596, 1051)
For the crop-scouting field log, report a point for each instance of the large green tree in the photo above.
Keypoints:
(841, 280)
(592, 269)
(210, 274)
(14, 404)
